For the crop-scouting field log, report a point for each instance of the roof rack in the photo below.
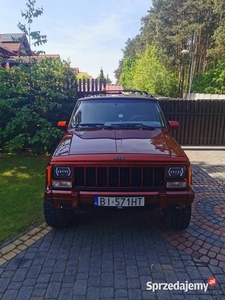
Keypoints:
(125, 92)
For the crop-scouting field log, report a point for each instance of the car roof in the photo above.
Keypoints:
(120, 94)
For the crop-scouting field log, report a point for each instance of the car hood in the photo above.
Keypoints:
(117, 141)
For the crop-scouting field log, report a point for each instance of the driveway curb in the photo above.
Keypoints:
(23, 242)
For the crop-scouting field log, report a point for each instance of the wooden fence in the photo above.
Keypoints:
(94, 85)
(89, 85)
(202, 122)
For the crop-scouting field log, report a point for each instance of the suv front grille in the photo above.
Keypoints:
(119, 177)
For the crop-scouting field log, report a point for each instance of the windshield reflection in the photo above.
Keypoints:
(109, 112)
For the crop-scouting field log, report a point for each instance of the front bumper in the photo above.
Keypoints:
(81, 199)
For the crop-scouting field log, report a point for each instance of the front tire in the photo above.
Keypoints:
(175, 218)
(58, 218)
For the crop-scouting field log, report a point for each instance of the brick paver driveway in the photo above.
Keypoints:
(113, 255)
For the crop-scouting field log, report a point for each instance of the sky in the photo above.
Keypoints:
(90, 34)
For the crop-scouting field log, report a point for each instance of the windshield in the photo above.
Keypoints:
(117, 113)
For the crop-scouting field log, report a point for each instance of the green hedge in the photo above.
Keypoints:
(33, 98)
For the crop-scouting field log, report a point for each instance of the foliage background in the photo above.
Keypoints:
(34, 96)
(32, 99)
(168, 28)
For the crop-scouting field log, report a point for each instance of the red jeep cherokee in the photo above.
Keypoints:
(118, 152)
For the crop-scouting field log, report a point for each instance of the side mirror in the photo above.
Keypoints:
(62, 125)
(173, 125)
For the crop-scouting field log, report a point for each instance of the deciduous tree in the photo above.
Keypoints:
(35, 38)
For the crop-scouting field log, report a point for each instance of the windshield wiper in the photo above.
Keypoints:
(114, 125)
(88, 125)
(132, 125)
(93, 125)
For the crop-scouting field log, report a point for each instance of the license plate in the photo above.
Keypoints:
(119, 201)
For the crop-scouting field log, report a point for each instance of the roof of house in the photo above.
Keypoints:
(76, 70)
(14, 46)
(11, 37)
(114, 87)
(55, 56)
(39, 58)
(5, 51)
(16, 42)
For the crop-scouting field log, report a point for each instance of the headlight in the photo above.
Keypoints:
(178, 172)
(62, 172)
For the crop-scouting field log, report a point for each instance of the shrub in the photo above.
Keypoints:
(32, 99)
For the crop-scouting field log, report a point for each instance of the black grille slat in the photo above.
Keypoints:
(91, 176)
(147, 177)
(159, 177)
(113, 177)
(119, 177)
(79, 176)
(136, 177)
(102, 177)
(124, 177)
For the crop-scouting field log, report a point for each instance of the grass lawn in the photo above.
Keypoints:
(22, 183)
